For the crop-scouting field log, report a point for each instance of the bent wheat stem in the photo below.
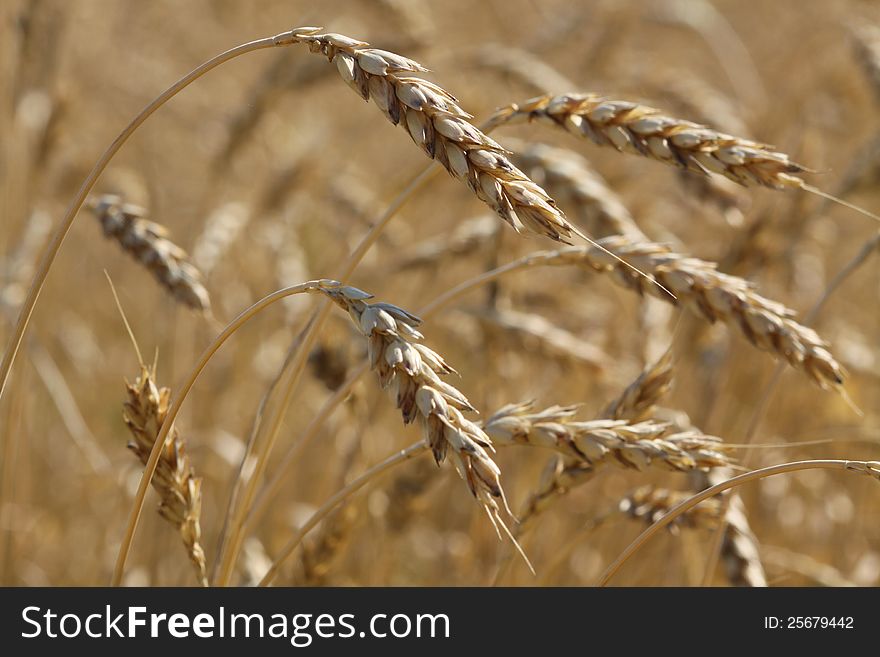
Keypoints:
(153, 459)
(57, 239)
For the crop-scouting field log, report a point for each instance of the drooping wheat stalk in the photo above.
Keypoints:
(148, 243)
(633, 128)
(442, 129)
(144, 412)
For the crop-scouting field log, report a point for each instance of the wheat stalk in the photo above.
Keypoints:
(144, 411)
(148, 243)
(633, 128)
(442, 129)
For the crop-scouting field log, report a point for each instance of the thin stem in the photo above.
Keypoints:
(150, 467)
(865, 467)
(340, 496)
(57, 239)
(236, 536)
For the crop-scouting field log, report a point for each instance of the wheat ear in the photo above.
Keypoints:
(413, 371)
(767, 324)
(144, 412)
(442, 129)
(633, 128)
(148, 243)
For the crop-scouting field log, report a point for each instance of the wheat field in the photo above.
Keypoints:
(611, 279)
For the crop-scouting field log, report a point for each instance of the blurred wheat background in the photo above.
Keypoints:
(268, 171)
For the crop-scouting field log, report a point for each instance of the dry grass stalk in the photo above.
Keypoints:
(640, 397)
(467, 238)
(436, 123)
(767, 324)
(413, 371)
(175, 481)
(577, 187)
(148, 243)
(633, 128)
(648, 503)
(544, 338)
(632, 445)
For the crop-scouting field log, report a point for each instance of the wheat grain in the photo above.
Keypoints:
(633, 128)
(436, 123)
(147, 242)
(179, 489)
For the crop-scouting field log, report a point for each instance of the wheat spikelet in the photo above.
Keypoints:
(147, 242)
(639, 398)
(413, 371)
(544, 338)
(179, 489)
(632, 445)
(577, 187)
(648, 503)
(767, 324)
(437, 124)
(633, 128)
